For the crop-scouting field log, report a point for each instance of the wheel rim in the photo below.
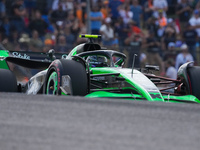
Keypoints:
(52, 84)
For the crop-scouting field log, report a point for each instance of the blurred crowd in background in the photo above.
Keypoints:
(160, 32)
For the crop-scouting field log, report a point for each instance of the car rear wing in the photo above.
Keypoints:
(37, 55)
(33, 64)
(32, 60)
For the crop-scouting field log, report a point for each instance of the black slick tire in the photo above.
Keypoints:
(75, 70)
(194, 80)
(8, 81)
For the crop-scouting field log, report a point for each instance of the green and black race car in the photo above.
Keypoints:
(93, 71)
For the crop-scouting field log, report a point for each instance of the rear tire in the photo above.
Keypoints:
(8, 81)
(194, 80)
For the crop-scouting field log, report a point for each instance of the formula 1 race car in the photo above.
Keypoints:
(93, 71)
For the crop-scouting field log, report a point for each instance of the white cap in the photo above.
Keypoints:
(184, 46)
(171, 44)
(170, 20)
(108, 20)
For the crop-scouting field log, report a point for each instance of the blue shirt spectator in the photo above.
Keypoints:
(6, 26)
(190, 37)
(2, 8)
(137, 12)
(30, 4)
(113, 5)
(96, 18)
(18, 11)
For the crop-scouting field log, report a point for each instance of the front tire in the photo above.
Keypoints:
(75, 70)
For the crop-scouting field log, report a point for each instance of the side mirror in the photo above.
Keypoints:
(51, 55)
(151, 67)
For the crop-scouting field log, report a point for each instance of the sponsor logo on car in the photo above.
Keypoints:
(18, 55)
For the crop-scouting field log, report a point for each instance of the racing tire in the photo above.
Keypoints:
(194, 80)
(8, 81)
(75, 70)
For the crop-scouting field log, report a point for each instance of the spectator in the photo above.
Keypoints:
(66, 5)
(160, 5)
(183, 11)
(178, 1)
(133, 28)
(152, 25)
(30, 6)
(148, 9)
(190, 37)
(195, 22)
(58, 14)
(136, 9)
(142, 2)
(121, 30)
(162, 22)
(3, 38)
(170, 52)
(96, 18)
(183, 57)
(169, 34)
(114, 6)
(153, 48)
(79, 13)
(55, 5)
(175, 25)
(49, 6)
(83, 6)
(193, 3)
(53, 36)
(51, 25)
(61, 45)
(38, 24)
(171, 72)
(197, 4)
(69, 4)
(24, 42)
(13, 39)
(143, 59)
(14, 36)
(48, 44)
(42, 6)
(105, 9)
(134, 45)
(171, 7)
(70, 39)
(83, 30)
(107, 33)
(126, 3)
(126, 14)
(178, 42)
(35, 42)
(18, 11)
(73, 23)
(2, 31)
(8, 4)
(6, 26)
(2, 8)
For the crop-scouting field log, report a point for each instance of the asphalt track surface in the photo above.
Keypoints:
(73, 123)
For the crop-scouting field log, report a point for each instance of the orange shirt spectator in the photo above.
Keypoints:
(105, 9)
(162, 20)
